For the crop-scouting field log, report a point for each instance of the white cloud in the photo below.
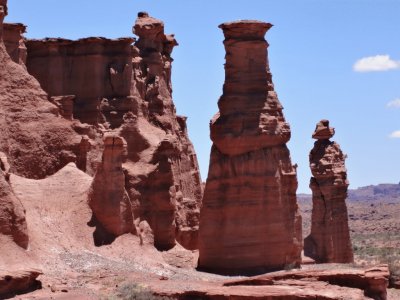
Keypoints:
(375, 64)
(395, 134)
(394, 103)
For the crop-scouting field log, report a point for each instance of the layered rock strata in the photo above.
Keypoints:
(249, 218)
(35, 139)
(108, 198)
(329, 241)
(126, 89)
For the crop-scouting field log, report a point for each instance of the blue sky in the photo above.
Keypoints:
(334, 59)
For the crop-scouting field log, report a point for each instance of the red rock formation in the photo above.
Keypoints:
(164, 182)
(329, 240)
(373, 281)
(91, 69)
(12, 213)
(14, 41)
(127, 90)
(249, 218)
(108, 198)
(35, 139)
(15, 282)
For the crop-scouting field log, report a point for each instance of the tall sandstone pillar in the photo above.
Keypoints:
(329, 241)
(249, 221)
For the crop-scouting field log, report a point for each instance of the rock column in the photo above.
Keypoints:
(249, 221)
(329, 241)
(108, 198)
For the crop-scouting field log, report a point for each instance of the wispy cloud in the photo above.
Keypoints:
(394, 103)
(376, 63)
(395, 134)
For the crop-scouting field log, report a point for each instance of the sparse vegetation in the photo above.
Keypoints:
(379, 248)
(134, 291)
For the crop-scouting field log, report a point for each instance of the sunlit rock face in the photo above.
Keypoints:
(123, 86)
(249, 221)
(329, 241)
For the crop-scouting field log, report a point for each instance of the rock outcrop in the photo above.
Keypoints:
(12, 213)
(108, 198)
(35, 139)
(126, 89)
(249, 220)
(329, 241)
(14, 41)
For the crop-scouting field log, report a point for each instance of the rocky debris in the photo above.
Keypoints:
(126, 89)
(14, 41)
(35, 139)
(329, 241)
(12, 213)
(249, 221)
(108, 198)
(18, 281)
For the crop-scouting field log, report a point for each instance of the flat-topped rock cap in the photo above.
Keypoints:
(323, 131)
(245, 29)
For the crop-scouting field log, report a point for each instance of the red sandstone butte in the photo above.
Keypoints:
(108, 198)
(329, 241)
(249, 221)
(126, 90)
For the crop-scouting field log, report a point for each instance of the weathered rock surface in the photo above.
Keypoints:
(373, 282)
(329, 240)
(12, 213)
(126, 89)
(108, 198)
(14, 41)
(18, 281)
(35, 139)
(249, 217)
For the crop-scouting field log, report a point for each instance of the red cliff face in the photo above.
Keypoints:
(14, 41)
(249, 218)
(36, 140)
(329, 241)
(126, 89)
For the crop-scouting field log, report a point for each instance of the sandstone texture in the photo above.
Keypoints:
(249, 217)
(329, 240)
(108, 198)
(36, 140)
(14, 41)
(124, 89)
(12, 213)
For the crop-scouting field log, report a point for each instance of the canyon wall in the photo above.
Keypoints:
(36, 140)
(329, 241)
(125, 89)
(249, 221)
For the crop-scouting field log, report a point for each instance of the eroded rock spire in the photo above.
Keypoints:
(249, 220)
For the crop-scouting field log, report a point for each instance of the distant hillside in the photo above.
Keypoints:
(371, 193)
